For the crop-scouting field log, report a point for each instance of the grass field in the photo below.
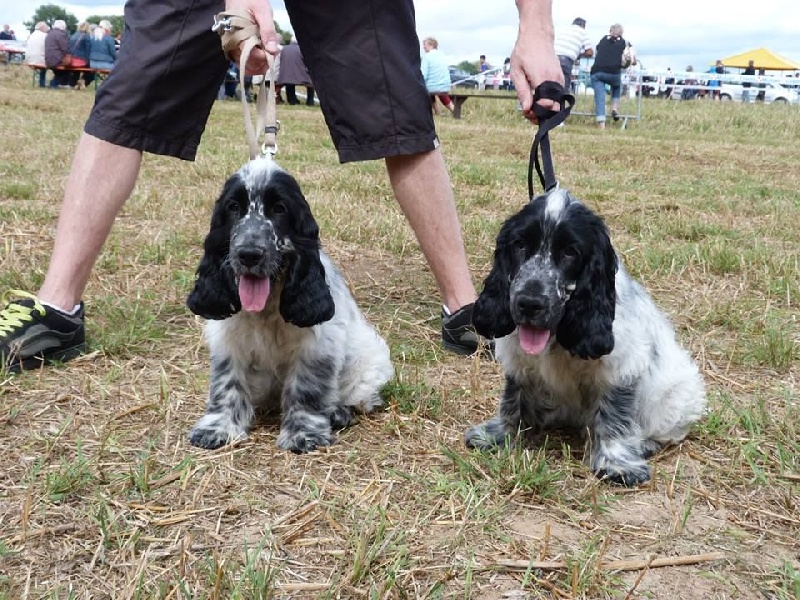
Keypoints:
(102, 497)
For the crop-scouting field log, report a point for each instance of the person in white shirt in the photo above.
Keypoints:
(34, 49)
(570, 44)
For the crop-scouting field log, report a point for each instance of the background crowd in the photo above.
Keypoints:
(90, 46)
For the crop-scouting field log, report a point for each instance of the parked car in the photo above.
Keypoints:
(773, 92)
(460, 78)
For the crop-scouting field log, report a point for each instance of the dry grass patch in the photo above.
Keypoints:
(102, 497)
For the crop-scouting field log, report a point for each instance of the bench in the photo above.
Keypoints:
(459, 98)
(100, 74)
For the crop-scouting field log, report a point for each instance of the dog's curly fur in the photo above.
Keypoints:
(308, 352)
(582, 344)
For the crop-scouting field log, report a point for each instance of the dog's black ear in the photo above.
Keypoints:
(305, 299)
(215, 295)
(586, 329)
(491, 316)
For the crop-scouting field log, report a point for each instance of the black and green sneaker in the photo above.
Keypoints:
(32, 335)
(459, 336)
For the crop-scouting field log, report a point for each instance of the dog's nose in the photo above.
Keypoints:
(250, 257)
(531, 305)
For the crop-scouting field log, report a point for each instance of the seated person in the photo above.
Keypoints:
(56, 47)
(80, 47)
(103, 53)
(232, 82)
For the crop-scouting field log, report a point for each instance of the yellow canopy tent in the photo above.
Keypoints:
(762, 59)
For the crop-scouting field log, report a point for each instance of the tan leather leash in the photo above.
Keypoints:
(233, 29)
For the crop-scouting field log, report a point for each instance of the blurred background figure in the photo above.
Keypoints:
(746, 85)
(34, 50)
(231, 83)
(688, 92)
(606, 70)
(80, 47)
(571, 44)
(104, 49)
(293, 72)
(436, 74)
(7, 33)
(762, 92)
(716, 84)
(56, 48)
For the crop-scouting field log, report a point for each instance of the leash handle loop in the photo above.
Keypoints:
(548, 119)
(234, 28)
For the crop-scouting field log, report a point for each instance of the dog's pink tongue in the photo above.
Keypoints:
(532, 339)
(253, 292)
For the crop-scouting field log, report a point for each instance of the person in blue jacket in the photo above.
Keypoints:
(104, 50)
(80, 47)
(436, 74)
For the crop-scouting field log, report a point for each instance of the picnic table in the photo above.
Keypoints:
(100, 73)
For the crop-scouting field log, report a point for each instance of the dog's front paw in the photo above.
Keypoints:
(214, 431)
(627, 473)
(301, 442)
(489, 434)
(303, 431)
(341, 417)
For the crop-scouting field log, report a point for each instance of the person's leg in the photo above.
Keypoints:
(124, 122)
(374, 120)
(42, 77)
(566, 68)
(434, 105)
(291, 95)
(615, 81)
(422, 188)
(101, 180)
(448, 103)
(309, 95)
(599, 87)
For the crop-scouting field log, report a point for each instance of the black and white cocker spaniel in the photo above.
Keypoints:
(582, 344)
(284, 331)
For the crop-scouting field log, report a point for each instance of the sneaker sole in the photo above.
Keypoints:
(458, 349)
(37, 362)
(485, 351)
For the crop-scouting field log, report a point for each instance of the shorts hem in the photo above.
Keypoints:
(394, 146)
(139, 140)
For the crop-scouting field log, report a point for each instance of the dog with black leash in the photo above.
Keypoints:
(582, 344)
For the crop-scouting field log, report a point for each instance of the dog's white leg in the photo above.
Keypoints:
(617, 452)
(229, 411)
(309, 401)
(500, 430)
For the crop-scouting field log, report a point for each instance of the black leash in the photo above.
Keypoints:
(548, 118)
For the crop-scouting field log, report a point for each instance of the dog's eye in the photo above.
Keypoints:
(571, 253)
(232, 206)
(279, 209)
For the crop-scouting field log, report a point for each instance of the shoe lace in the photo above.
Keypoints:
(15, 314)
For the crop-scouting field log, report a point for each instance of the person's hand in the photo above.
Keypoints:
(533, 63)
(533, 60)
(261, 12)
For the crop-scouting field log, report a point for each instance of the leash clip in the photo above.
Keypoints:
(220, 26)
(270, 145)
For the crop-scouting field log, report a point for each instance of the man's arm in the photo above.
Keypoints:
(588, 51)
(533, 60)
